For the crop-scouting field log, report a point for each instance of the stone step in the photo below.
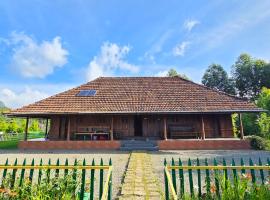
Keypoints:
(139, 148)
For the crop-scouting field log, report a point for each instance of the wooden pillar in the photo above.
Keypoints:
(111, 132)
(46, 128)
(241, 126)
(165, 128)
(68, 129)
(26, 129)
(202, 128)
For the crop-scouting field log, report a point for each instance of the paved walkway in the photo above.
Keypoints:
(139, 181)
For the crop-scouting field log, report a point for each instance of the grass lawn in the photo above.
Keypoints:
(12, 142)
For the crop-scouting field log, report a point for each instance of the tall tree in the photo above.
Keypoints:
(250, 75)
(173, 73)
(217, 78)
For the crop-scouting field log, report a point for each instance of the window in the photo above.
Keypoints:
(86, 93)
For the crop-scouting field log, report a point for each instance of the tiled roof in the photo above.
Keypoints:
(139, 95)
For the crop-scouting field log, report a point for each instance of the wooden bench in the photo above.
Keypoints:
(182, 131)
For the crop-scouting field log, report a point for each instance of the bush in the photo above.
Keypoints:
(257, 142)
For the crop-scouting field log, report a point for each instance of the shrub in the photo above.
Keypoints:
(257, 142)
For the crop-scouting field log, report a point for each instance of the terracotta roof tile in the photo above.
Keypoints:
(139, 94)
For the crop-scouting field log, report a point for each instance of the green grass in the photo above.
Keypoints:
(12, 142)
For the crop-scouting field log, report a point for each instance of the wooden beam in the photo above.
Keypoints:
(68, 129)
(241, 126)
(165, 128)
(46, 128)
(26, 129)
(202, 128)
(111, 131)
(60, 128)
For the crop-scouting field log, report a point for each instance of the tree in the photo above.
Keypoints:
(12, 126)
(217, 78)
(264, 119)
(174, 73)
(34, 125)
(250, 75)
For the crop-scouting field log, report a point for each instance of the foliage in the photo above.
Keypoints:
(263, 100)
(250, 75)
(174, 73)
(59, 187)
(258, 142)
(217, 78)
(250, 125)
(34, 126)
(264, 125)
(236, 189)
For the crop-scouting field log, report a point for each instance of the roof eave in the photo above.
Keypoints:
(135, 112)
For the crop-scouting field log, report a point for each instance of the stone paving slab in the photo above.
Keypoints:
(140, 182)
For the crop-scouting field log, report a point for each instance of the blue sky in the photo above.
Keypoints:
(50, 46)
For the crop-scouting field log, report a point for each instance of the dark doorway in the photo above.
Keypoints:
(138, 126)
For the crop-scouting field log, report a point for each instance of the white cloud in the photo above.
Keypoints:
(161, 73)
(17, 95)
(190, 24)
(180, 49)
(14, 99)
(32, 59)
(110, 59)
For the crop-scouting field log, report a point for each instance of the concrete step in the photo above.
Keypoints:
(139, 148)
(129, 145)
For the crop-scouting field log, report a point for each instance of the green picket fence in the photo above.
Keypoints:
(179, 178)
(80, 174)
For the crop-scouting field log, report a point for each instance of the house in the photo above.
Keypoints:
(177, 113)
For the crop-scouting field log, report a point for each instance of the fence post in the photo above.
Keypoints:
(92, 179)
(4, 173)
(207, 178)
(216, 179)
(167, 197)
(101, 179)
(48, 172)
(234, 171)
(40, 172)
(66, 170)
(57, 170)
(252, 171)
(22, 173)
(225, 171)
(199, 179)
(173, 176)
(110, 183)
(243, 171)
(31, 171)
(261, 171)
(268, 161)
(14, 171)
(83, 182)
(181, 179)
(74, 176)
(190, 179)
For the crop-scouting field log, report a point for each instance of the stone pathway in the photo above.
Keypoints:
(140, 182)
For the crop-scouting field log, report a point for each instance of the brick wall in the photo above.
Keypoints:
(203, 144)
(45, 145)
